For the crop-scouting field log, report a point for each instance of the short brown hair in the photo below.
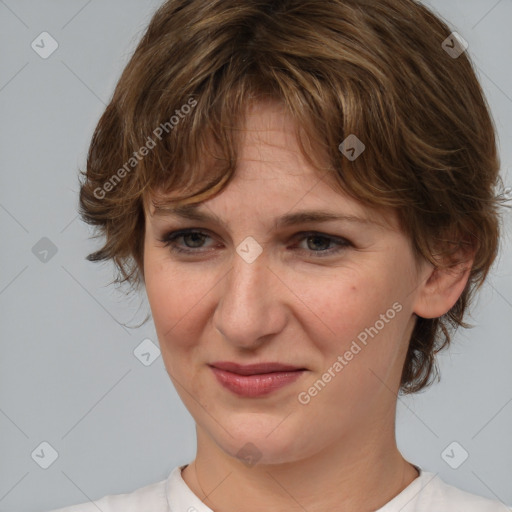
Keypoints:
(374, 69)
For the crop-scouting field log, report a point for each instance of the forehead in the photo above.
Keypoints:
(273, 178)
(272, 201)
(269, 135)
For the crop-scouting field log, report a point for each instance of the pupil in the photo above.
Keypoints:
(197, 238)
(316, 238)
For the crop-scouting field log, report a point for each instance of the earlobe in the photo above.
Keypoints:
(441, 288)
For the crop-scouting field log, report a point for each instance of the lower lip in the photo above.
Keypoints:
(255, 385)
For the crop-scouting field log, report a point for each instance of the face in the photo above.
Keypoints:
(333, 299)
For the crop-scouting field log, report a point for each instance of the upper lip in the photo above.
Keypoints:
(254, 369)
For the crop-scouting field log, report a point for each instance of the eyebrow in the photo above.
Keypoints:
(191, 212)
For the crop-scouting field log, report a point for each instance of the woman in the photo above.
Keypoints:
(306, 192)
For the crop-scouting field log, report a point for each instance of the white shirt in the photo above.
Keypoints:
(427, 493)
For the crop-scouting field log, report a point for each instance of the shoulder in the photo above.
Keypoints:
(150, 497)
(437, 495)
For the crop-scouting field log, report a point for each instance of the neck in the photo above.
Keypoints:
(349, 476)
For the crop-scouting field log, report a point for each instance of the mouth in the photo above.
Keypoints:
(255, 380)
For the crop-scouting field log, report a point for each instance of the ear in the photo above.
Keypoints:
(441, 288)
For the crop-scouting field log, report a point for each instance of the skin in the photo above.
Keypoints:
(337, 452)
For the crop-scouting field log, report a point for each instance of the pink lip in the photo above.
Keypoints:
(255, 379)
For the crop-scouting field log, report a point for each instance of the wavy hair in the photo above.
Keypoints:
(379, 70)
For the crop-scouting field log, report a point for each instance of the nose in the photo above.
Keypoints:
(251, 306)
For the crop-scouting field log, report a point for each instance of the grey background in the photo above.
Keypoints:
(68, 373)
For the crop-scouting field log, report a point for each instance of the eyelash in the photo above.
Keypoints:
(169, 240)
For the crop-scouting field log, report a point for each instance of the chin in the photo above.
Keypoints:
(264, 443)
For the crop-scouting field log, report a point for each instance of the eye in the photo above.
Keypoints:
(194, 237)
(317, 244)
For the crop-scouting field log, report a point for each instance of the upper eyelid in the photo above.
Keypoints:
(177, 233)
(208, 232)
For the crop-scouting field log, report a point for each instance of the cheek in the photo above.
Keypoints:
(360, 340)
(176, 299)
(360, 317)
(344, 305)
